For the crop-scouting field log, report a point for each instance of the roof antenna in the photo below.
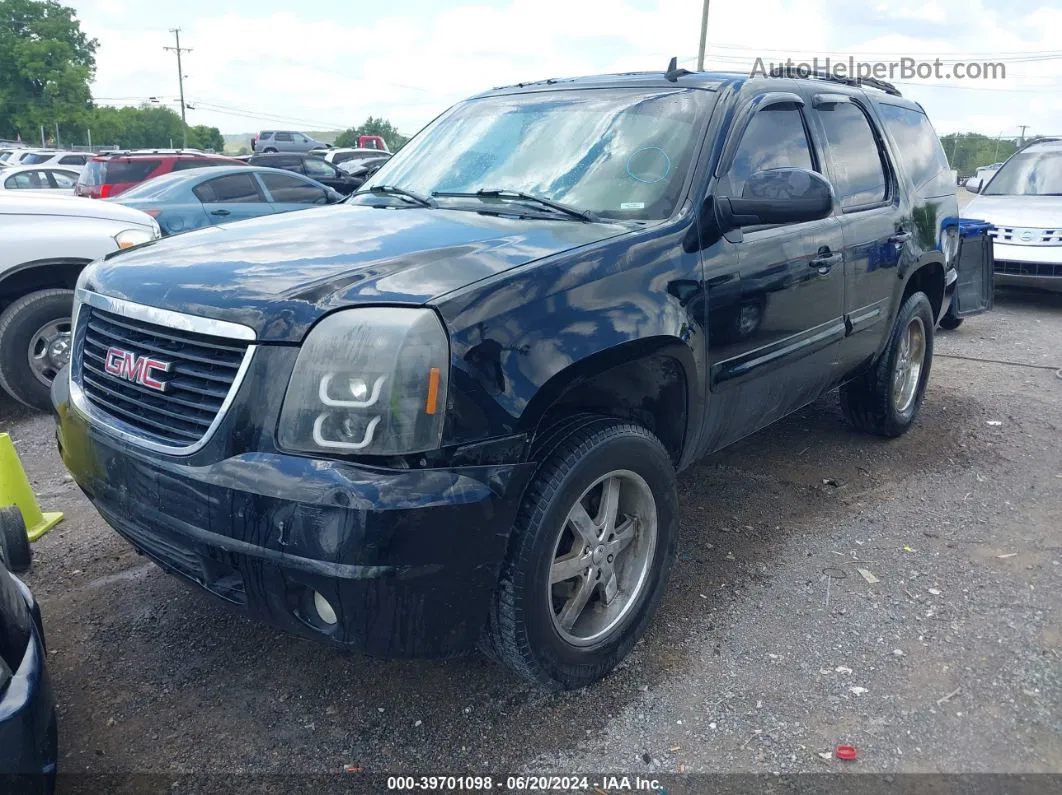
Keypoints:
(673, 73)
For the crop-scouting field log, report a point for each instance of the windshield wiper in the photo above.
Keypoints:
(394, 190)
(502, 193)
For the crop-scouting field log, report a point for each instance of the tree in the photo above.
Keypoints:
(967, 151)
(373, 126)
(46, 64)
(203, 137)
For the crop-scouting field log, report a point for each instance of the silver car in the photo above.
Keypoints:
(284, 141)
(1023, 200)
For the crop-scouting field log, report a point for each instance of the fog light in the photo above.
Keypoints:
(324, 609)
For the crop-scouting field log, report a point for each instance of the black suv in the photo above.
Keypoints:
(315, 168)
(451, 410)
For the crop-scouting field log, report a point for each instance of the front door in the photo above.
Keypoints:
(774, 294)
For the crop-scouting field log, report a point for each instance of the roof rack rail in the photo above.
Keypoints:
(856, 82)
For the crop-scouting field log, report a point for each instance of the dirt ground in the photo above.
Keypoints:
(770, 648)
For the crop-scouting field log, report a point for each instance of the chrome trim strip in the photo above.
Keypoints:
(166, 317)
(163, 317)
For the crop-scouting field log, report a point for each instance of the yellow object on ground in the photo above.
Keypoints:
(15, 490)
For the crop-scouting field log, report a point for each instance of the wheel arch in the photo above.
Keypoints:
(41, 274)
(928, 277)
(651, 381)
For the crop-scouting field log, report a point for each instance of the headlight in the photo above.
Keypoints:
(128, 238)
(371, 381)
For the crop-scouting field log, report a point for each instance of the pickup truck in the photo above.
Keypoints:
(450, 411)
(46, 241)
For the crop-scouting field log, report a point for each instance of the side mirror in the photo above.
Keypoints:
(974, 185)
(777, 196)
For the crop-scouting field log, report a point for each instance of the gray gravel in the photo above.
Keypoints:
(949, 662)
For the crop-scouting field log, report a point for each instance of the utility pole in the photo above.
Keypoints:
(704, 37)
(180, 81)
(1021, 141)
(57, 135)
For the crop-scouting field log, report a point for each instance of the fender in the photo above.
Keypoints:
(520, 344)
(8, 275)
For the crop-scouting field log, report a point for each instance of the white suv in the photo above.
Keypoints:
(47, 242)
(1023, 200)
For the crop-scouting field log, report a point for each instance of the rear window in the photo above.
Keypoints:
(112, 172)
(919, 149)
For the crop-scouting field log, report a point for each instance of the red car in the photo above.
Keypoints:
(113, 173)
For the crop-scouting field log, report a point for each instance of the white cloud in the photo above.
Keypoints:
(326, 67)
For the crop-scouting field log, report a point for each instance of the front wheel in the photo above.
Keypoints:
(35, 344)
(885, 401)
(589, 557)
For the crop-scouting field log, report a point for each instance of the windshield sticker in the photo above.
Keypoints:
(632, 205)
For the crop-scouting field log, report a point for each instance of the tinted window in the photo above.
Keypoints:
(1029, 174)
(231, 188)
(775, 138)
(99, 172)
(33, 159)
(73, 160)
(857, 170)
(282, 137)
(63, 179)
(288, 189)
(318, 168)
(919, 150)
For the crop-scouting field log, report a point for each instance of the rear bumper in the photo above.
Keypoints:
(406, 558)
(28, 747)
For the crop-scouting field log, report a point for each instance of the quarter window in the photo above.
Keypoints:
(857, 169)
(63, 179)
(775, 138)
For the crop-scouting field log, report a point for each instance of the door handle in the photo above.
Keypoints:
(900, 237)
(824, 260)
(220, 212)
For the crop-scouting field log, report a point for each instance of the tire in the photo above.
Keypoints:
(19, 327)
(14, 543)
(527, 628)
(269, 150)
(870, 402)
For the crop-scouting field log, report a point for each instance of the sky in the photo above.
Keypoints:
(264, 64)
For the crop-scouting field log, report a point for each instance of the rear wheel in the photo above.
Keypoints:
(589, 556)
(269, 150)
(886, 400)
(14, 543)
(35, 336)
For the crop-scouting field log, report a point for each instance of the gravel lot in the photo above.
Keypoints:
(770, 647)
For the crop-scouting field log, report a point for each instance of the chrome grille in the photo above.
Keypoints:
(1026, 236)
(189, 385)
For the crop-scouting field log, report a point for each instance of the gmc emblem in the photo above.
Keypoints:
(138, 369)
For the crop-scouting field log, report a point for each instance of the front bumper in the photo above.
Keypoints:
(28, 737)
(1028, 266)
(406, 558)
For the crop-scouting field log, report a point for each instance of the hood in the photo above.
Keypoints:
(69, 206)
(278, 274)
(1034, 212)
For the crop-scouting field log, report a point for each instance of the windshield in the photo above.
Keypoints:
(1028, 174)
(617, 153)
(155, 187)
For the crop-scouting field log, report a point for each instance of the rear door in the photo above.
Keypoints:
(232, 197)
(876, 234)
(283, 142)
(290, 192)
